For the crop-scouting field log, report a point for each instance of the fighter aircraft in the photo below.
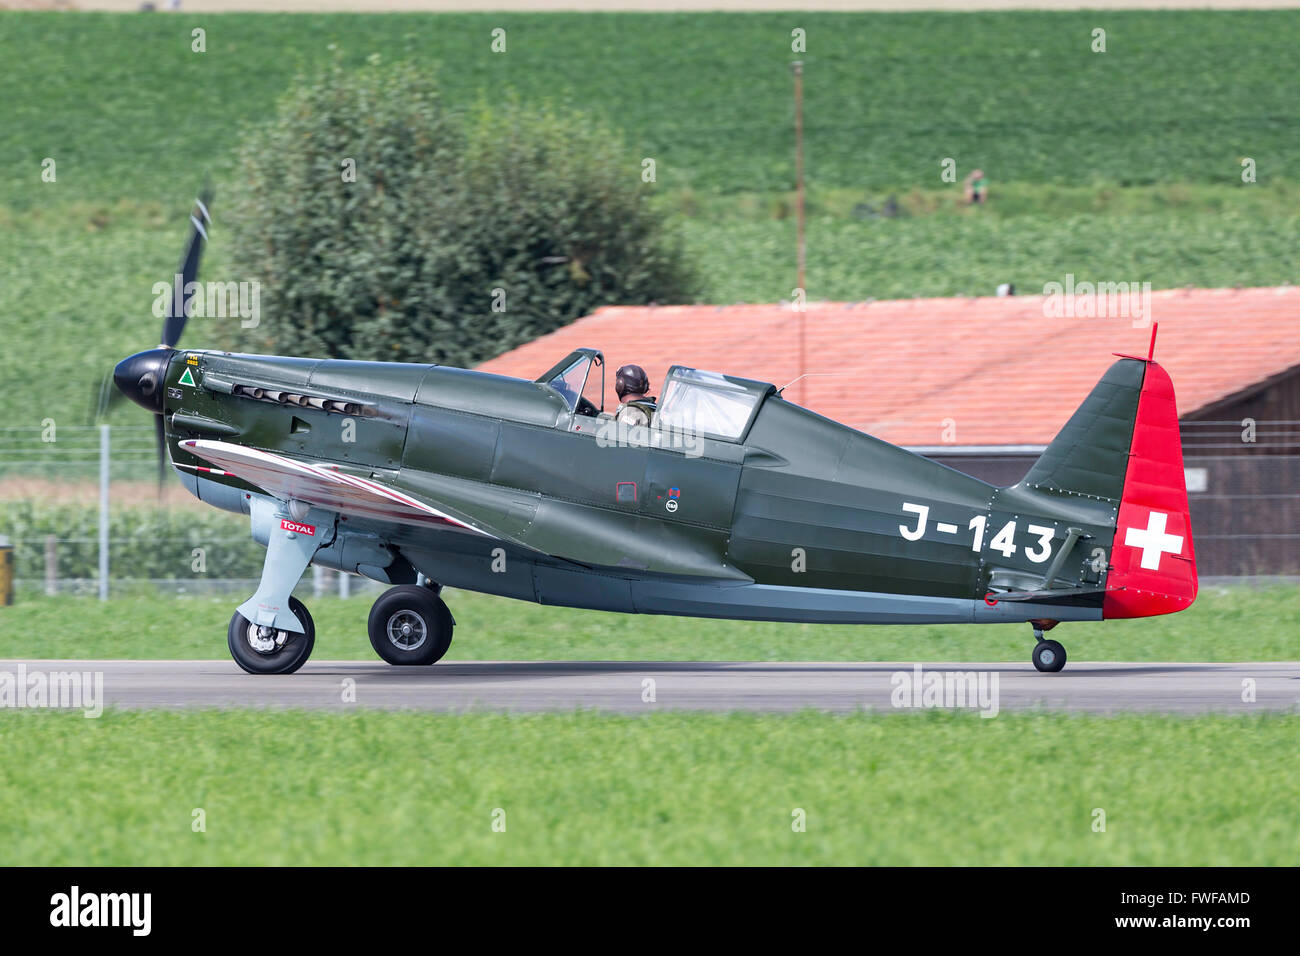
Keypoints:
(732, 503)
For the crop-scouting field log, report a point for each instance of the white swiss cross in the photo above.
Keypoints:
(1153, 541)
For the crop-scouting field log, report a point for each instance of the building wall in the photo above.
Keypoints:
(1247, 520)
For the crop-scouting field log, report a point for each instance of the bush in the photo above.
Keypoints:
(403, 263)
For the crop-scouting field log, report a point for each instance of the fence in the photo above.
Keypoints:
(83, 518)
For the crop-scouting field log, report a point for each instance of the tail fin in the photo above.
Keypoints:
(1123, 445)
(1090, 454)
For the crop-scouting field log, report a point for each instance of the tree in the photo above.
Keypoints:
(381, 224)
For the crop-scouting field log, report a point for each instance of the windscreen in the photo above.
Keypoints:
(569, 382)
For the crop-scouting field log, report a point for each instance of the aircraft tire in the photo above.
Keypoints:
(285, 659)
(1049, 656)
(410, 626)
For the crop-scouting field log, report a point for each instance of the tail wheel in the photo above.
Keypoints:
(410, 625)
(1049, 656)
(265, 650)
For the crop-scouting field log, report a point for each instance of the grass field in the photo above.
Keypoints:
(1122, 166)
(851, 260)
(130, 111)
(581, 788)
(1225, 624)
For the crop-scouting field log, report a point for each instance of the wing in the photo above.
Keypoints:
(570, 531)
(325, 486)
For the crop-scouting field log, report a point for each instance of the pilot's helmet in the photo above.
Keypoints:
(631, 380)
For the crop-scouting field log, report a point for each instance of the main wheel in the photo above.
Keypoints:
(410, 624)
(263, 650)
(1049, 656)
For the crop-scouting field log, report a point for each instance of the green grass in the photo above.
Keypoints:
(127, 109)
(1225, 624)
(369, 787)
(972, 254)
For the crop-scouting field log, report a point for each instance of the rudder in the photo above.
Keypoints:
(1153, 561)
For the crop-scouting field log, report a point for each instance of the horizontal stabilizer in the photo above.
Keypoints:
(1043, 597)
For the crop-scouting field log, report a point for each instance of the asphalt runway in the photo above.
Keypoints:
(714, 686)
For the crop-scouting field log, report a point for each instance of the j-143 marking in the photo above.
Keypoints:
(1003, 541)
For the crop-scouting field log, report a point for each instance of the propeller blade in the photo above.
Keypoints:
(188, 270)
(103, 399)
(164, 458)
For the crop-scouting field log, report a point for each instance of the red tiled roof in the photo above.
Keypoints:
(1001, 371)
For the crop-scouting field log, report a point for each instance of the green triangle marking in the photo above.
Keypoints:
(188, 379)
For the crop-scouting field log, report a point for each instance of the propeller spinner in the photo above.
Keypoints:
(140, 378)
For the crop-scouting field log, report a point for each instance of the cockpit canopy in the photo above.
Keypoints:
(709, 404)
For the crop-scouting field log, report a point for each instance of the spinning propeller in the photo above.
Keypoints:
(142, 376)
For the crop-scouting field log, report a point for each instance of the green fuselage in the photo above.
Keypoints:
(799, 518)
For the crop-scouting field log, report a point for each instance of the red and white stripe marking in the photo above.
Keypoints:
(202, 468)
(318, 485)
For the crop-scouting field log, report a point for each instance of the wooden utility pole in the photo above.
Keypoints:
(51, 565)
(104, 462)
(800, 282)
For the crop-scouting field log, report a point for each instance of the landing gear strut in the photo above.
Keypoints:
(1049, 656)
(410, 624)
(271, 632)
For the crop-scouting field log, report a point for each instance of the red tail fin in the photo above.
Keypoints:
(1153, 563)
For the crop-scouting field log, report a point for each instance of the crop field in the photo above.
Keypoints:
(133, 112)
(1124, 164)
(851, 260)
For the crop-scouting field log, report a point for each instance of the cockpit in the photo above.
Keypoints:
(707, 404)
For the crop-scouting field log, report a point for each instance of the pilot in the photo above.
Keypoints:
(631, 384)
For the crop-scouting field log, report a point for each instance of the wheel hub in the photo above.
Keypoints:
(266, 640)
(407, 630)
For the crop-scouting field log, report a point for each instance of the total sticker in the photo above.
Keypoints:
(298, 527)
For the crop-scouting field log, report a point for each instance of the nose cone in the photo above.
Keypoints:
(141, 377)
